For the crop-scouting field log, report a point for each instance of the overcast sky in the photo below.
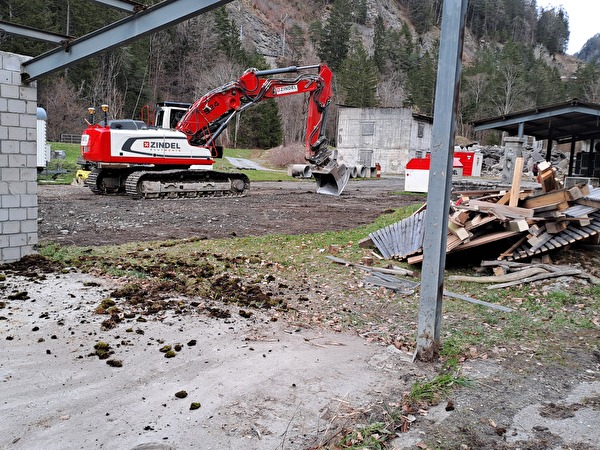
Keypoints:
(584, 20)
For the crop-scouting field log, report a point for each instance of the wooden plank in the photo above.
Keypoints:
(537, 241)
(459, 231)
(513, 212)
(452, 242)
(580, 231)
(460, 217)
(556, 226)
(416, 259)
(536, 230)
(546, 178)
(476, 301)
(594, 203)
(517, 225)
(379, 243)
(504, 199)
(398, 271)
(512, 248)
(516, 181)
(480, 222)
(574, 193)
(562, 241)
(486, 239)
(547, 199)
(571, 236)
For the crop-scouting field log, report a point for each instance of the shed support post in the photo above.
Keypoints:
(440, 179)
(550, 144)
(571, 156)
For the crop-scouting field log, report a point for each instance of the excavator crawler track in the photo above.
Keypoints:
(92, 181)
(185, 184)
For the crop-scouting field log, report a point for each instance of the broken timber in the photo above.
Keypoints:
(532, 224)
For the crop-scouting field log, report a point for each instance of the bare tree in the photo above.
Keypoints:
(390, 91)
(221, 73)
(293, 110)
(66, 112)
(105, 87)
(511, 89)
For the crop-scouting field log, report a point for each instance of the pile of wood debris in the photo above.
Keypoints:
(529, 223)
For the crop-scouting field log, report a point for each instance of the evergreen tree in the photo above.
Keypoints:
(585, 84)
(421, 84)
(228, 41)
(421, 14)
(379, 44)
(358, 78)
(553, 30)
(360, 11)
(260, 126)
(295, 43)
(334, 40)
(590, 52)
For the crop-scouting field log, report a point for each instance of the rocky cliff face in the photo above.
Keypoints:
(262, 24)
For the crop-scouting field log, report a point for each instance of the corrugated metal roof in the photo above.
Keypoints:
(559, 122)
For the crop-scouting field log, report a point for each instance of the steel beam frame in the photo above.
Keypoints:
(155, 18)
(440, 179)
(33, 33)
(123, 5)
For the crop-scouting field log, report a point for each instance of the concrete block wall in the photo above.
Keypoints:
(18, 171)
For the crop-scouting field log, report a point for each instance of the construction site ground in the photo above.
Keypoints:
(272, 380)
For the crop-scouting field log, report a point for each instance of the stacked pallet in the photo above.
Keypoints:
(521, 223)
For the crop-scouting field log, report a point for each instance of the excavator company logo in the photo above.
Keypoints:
(281, 90)
(162, 145)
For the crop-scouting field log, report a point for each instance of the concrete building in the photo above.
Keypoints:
(388, 136)
(18, 171)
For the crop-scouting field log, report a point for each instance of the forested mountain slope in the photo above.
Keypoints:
(383, 53)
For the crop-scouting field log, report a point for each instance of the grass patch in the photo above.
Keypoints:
(69, 164)
(467, 330)
(431, 392)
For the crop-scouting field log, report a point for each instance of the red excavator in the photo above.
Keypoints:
(128, 156)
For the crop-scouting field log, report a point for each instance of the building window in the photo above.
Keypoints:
(367, 128)
(420, 130)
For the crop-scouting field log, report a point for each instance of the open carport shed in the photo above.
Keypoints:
(567, 122)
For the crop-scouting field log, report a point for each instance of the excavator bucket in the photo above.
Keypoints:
(331, 179)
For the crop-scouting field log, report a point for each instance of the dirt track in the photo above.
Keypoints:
(74, 215)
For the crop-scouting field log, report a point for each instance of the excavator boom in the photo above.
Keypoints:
(208, 117)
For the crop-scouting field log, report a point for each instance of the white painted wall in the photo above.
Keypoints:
(388, 136)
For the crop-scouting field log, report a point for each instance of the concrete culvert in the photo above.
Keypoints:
(361, 171)
(299, 171)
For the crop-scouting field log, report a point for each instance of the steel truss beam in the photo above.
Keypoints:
(33, 33)
(155, 18)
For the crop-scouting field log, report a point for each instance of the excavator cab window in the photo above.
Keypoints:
(176, 115)
(127, 124)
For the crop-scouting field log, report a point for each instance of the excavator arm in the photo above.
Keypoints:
(208, 117)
